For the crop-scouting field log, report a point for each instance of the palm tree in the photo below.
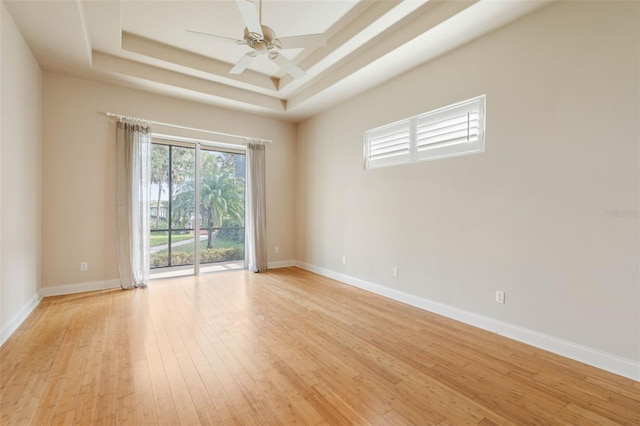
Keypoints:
(221, 193)
(159, 172)
(182, 175)
(181, 191)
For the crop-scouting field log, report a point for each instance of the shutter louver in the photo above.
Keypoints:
(451, 131)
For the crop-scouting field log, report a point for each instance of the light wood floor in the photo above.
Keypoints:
(284, 347)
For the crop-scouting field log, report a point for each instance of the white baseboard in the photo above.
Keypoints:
(78, 288)
(281, 264)
(594, 357)
(19, 318)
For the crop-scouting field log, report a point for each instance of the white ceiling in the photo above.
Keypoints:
(144, 45)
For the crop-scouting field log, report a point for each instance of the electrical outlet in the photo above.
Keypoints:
(344, 260)
(395, 271)
(277, 249)
(84, 266)
(500, 296)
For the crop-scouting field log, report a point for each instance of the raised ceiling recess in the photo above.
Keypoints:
(227, 53)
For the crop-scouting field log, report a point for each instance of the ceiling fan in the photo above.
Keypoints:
(263, 40)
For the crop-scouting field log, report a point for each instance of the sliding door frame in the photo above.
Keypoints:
(197, 144)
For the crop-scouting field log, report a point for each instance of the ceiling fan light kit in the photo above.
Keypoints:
(263, 39)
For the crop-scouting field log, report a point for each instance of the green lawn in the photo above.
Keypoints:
(216, 243)
(159, 239)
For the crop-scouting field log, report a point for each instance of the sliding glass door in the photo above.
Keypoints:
(222, 195)
(188, 237)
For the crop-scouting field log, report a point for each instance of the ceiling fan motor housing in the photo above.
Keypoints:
(261, 43)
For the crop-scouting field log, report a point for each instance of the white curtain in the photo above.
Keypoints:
(256, 256)
(133, 162)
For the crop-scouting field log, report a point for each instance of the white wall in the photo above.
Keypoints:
(528, 216)
(21, 82)
(79, 172)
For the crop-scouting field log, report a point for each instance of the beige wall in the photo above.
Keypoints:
(19, 177)
(528, 216)
(79, 171)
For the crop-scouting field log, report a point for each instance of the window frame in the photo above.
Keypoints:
(374, 139)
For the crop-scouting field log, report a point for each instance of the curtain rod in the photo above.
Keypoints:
(159, 123)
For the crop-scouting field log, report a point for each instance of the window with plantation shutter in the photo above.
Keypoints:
(389, 144)
(453, 130)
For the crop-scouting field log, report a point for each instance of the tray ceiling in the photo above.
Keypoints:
(144, 45)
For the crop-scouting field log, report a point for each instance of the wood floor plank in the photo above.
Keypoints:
(284, 347)
(361, 394)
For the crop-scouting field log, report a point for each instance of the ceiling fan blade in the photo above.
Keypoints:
(243, 63)
(308, 40)
(250, 16)
(217, 37)
(287, 65)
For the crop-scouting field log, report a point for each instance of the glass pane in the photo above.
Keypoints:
(222, 177)
(159, 190)
(183, 168)
(158, 247)
(172, 210)
(182, 248)
(224, 245)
